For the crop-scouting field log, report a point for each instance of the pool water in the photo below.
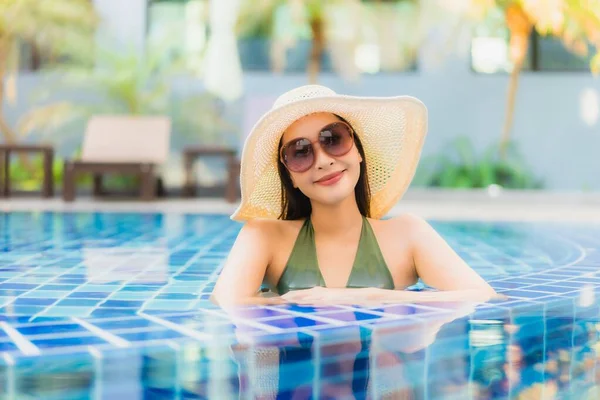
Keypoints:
(115, 305)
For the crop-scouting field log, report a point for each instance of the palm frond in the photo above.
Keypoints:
(46, 120)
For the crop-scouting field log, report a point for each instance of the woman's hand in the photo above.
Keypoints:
(325, 296)
(319, 295)
(372, 296)
(233, 303)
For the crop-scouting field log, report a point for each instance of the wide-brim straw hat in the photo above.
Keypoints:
(391, 129)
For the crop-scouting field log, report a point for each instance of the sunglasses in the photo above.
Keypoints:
(335, 139)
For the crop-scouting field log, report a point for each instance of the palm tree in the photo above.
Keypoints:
(259, 17)
(127, 83)
(576, 23)
(316, 20)
(61, 28)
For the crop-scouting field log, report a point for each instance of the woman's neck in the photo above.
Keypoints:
(334, 220)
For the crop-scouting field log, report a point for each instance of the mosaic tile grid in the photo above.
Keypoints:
(96, 287)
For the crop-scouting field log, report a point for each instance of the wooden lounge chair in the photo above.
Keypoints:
(121, 145)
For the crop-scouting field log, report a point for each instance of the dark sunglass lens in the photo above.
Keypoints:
(336, 139)
(299, 155)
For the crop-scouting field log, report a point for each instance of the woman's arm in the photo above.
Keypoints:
(244, 270)
(375, 296)
(437, 264)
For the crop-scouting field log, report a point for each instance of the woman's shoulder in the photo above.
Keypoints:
(405, 224)
(274, 228)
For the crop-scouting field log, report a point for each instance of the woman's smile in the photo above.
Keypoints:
(331, 179)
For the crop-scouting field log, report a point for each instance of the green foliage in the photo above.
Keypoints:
(126, 83)
(22, 178)
(256, 18)
(59, 27)
(460, 167)
(31, 180)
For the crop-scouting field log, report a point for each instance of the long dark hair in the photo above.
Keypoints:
(295, 205)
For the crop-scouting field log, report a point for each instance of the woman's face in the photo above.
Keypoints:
(311, 182)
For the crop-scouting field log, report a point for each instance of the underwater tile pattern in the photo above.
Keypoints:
(119, 304)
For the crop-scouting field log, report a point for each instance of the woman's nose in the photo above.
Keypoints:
(322, 159)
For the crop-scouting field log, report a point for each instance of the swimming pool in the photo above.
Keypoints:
(115, 305)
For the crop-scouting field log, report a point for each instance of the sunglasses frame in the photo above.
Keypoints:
(312, 143)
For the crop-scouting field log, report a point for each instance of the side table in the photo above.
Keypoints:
(191, 153)
(5, 152)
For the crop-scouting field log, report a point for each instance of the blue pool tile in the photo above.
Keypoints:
(122, 304)
(26, 280)
(98, 288)
(131, 295)
(48, 294)
(34, 301)
(12, 309)
(180, 287)
(506, 285)
(78, 302)
(586, 279)
(11, 293)
(63, 288)
(69, 342)
(67, 281)
(141, 288)
(306, 309)
(8, 347)
(168, 304)
(52, 329)
(6, 300)
(112, 312)
(526, 294)
(176, 296)
(259, 313)
(297, 322)
(150, 335)
(111, 324)
(58, 311)
(145, 336)
(570, 284)
(350, 316)
(551, 288)
(524, 281)
(88, 295)
(408, 310)
(188, 278)
(17, 286)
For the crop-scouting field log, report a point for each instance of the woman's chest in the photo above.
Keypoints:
(336, 261)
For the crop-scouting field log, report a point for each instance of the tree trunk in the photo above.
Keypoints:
(10, 136)
(7, 132)
(316, 51)
(520, 28)
(510, 107)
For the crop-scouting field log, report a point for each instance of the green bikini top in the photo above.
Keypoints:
(302, 269)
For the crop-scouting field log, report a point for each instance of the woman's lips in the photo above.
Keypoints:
(330, 179)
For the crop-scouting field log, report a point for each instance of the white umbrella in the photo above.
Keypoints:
(223, 71)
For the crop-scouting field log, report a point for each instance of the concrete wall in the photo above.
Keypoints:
(123, 22)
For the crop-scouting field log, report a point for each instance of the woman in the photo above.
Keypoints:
(318, 172)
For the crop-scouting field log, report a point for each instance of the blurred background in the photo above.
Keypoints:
(510, 85)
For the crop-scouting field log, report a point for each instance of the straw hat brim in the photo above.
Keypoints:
(392, 131)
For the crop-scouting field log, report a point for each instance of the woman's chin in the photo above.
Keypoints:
(331, 195)
(332, 198)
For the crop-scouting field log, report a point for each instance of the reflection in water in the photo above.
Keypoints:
(530, 353)
(127, 265)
